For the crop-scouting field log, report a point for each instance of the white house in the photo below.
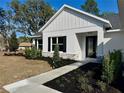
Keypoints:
(81, 35)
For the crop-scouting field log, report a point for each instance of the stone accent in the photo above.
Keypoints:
(62, 55)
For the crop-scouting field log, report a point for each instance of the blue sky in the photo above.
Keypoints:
(104, 5)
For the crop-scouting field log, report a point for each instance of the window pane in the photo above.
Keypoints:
(40, 41)
(40, 47)
(60, 43)
(49, 43)
(35, 42)
(60, 47)
(53, 47)
(54, 40)
(60, 39)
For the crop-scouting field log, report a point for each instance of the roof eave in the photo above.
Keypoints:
(36, 36)
(114, 30)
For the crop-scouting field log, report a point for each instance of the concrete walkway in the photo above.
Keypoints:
(34, 84)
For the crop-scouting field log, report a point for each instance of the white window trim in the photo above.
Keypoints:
(38, 43)
(51, 43)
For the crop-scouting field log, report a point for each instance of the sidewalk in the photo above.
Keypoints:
(34, 84)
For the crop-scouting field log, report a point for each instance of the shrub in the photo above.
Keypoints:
(108, 70)
(116, 56)
(85, 84)
(33, 53)
(56, 58)
(56, 61)
(102, 85)
(111, 66)
(13, 42)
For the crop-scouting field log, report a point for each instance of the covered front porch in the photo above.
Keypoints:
(91, 44)
(37, 40)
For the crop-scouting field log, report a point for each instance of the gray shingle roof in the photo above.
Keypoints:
(114, 20)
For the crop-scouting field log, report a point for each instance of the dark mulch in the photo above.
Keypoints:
(63, 62)
(119, 83)
(68, 84)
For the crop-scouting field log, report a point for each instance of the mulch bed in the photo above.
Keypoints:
(66, 84)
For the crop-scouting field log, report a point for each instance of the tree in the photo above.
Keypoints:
(104, 14)
(24, 39)
(2, 20)
(6, 24)
(13, 42)
(31, 15)
(2, 16)
(91, 7)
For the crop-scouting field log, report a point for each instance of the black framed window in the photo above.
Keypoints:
(60, 41)
(40, 46)
(54, 42)
(35, 42)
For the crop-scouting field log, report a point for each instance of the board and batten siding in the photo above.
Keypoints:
(69, 23)
(68, 19)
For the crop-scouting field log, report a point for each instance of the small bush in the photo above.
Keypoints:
(85, 84)
(56, 61)
(13, 42)
(111, 66)
(56, 58)
(102, 85)
(33, 53)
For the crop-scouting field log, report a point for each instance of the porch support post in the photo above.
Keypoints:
(100, 38)
(37, 44)
(33, 41)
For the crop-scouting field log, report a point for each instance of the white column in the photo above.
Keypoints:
(100, 42)
(33, 41)
(37, 44)
(51, 44)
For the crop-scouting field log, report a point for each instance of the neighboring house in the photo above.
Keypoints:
(24, 45)
(81, 35)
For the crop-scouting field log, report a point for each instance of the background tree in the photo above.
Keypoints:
(24, 39)
(6, 24)
(91, 6)
(2, 16)
(13, 42)
(31, 15)
(2, 20)
(108, 13)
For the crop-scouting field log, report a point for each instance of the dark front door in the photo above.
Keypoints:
(91, 44)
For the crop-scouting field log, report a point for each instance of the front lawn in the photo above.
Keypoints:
(14, 68)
